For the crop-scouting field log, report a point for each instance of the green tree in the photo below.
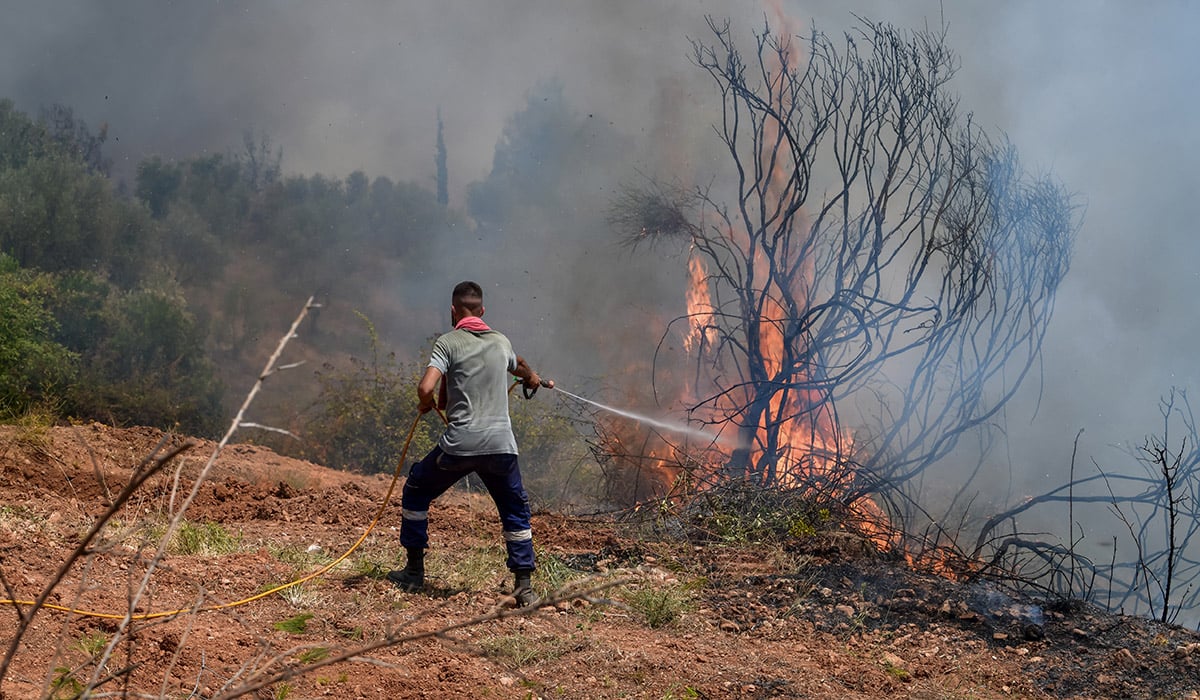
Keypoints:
(59, 216)
(78, 302)
(157, 184)
(33, 366)
(21, 138)
(149, 366)
(530, 161)
(73, 137)
(215, 188)
(194, 255)
(60, 211)
(356, 187)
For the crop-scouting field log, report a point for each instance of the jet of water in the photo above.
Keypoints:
(642, 418)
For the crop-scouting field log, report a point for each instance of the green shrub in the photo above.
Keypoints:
(660, 605)
(148, 365)
(206, 539)
(557, 466)
(750, 514)
(294, 625)
(91, 644)
(518, 650)
(34, 367)
(363, 414)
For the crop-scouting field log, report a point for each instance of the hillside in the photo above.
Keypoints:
(824, 617)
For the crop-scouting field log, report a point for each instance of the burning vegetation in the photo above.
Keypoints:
(870, 284)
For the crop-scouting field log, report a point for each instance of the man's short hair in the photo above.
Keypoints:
(468, 295)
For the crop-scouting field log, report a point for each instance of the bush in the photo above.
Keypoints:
(33, 365)
(363, 414)
(556, 463)
(745, 513)
(660, 605)
(145, 363)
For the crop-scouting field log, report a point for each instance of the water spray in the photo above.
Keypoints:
(669, 426)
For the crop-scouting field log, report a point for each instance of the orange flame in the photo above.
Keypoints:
(811, 450)
(699, 308)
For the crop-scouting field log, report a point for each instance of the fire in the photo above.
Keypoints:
(699, 306)
(797, 442)
(811, 451)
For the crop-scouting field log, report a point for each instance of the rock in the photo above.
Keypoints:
(729, 626)
(1123, 657)
(846, 610)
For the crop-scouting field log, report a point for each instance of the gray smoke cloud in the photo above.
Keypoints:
(1102, 94)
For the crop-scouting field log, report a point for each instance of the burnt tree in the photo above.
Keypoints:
(871, 258)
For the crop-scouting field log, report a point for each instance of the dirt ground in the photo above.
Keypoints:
(825, 618)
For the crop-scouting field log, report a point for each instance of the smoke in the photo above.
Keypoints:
(339, 87)
(1102, 94)
(1097, 96)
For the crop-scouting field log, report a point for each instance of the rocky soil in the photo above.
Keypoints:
(639, 617)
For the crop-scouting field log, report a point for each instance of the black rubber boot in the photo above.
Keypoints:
(412, 577)
(523, 589)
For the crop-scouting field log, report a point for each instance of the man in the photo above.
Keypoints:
(472, 363)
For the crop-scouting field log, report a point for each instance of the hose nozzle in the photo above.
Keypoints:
(528, 392)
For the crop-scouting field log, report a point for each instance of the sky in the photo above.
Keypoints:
(1102, 94)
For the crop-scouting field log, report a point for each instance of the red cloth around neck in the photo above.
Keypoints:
(472, 323)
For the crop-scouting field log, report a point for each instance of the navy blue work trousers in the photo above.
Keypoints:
(500, 473)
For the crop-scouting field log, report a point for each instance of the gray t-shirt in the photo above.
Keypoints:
(475, 367)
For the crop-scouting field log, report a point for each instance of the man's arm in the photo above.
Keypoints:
(525, 373)
(426, 398)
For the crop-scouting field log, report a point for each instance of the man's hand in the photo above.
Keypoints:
(529, 378)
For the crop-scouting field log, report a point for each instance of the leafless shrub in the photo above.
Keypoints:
(1157, 509)
(877, 273)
